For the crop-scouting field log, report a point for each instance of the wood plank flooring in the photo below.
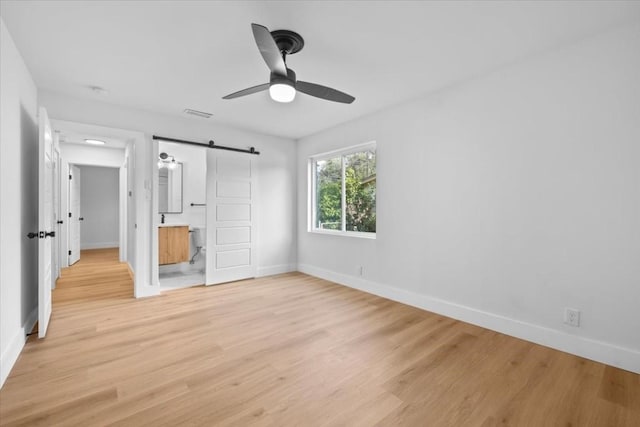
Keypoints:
(289, 350)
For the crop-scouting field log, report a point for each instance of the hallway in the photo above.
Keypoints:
(97, 276)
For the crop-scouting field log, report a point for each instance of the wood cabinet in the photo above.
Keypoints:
(173, 244)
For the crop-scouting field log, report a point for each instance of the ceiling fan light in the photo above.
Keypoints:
(282, 92)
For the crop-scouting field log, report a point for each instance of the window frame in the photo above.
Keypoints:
(312, 192)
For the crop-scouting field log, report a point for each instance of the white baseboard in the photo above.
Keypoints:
(99, 245)
(598, 351)
(16, 343)
(147, 291)
(275, 269)
(142, 290)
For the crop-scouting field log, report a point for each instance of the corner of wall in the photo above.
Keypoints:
(272, 270)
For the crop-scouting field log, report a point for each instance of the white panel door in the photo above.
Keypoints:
(45, 220)
(74, 214)
(230, 216)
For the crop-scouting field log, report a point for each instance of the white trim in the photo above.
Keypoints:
(16, 344)
(143, 168)
(155, 216)
(99, 245)
(358, 234)
(610, 354)
(343, 151)
(138, 148)
(63, 236)
(145, 290)
(311, 187)
(343, 195)
(58, 215)
(272, 270)
(142, 290)
(122, 205)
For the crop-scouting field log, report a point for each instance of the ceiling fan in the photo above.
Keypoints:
(274, 47)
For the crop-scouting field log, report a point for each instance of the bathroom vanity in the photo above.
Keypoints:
(173, 244)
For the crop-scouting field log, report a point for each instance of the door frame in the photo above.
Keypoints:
(57, 210)
(155, 218)
(73, 217)
(135, 213)
(122, 207)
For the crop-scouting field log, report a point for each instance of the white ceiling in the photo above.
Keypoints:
(168, 56)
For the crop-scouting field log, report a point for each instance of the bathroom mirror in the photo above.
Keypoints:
(170, 189)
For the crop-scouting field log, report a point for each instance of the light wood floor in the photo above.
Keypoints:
(289, 350)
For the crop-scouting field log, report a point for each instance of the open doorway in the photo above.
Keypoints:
(97, 233)
(98, 217)
(92, 198)
(216, 206)
(182, 179)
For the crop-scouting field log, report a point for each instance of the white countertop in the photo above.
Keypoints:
(173, 225)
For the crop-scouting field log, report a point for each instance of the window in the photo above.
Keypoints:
(343, 191)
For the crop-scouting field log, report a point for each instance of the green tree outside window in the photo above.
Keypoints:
(359, 172)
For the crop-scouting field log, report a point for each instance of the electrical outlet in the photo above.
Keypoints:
(572, 317)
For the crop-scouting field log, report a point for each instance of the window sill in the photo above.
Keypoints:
(359, 235)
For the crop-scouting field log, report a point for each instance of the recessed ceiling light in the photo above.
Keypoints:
(94, 141)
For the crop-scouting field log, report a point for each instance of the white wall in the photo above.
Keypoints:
(99, 206)
(18, 202)
(92, 155)
(505, 199)
(276, 169)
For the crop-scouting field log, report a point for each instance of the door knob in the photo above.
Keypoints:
(41, 234)
(81, 219)
(60, 221)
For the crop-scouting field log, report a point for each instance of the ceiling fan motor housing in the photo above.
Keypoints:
(289, 79)
(288, 41)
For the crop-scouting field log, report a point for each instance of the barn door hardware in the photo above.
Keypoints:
(251, 150)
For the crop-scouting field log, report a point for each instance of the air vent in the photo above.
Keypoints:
(198, 113)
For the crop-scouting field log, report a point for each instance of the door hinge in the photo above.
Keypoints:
(69, 214)
(69, 176)
(69, 253)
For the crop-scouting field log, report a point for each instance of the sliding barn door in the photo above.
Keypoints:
(230, 216)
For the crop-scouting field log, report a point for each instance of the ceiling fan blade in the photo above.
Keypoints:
(269, 49)
(247, 91)
(324, 92)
